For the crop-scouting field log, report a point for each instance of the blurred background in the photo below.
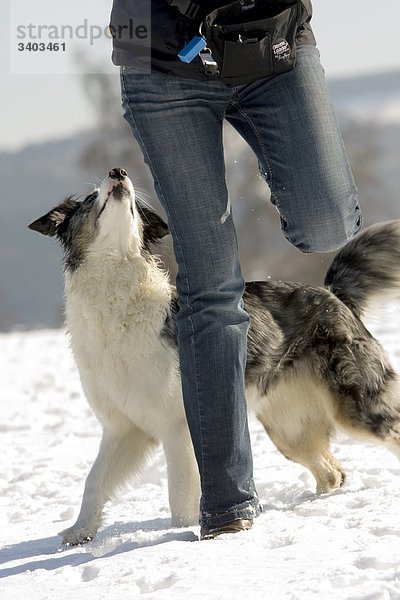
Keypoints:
(61, 130)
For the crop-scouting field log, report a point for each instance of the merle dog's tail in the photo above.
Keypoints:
(367, 269)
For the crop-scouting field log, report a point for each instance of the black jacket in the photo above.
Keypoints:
(149, 33)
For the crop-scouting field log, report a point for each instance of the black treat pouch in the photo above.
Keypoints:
(250, 40)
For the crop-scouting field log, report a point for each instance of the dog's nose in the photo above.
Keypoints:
(119, 174)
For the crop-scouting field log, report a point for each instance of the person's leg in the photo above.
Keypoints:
(178, 124)
(290, 124)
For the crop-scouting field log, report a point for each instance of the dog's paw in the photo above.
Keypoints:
(76, 535)
(333, 481)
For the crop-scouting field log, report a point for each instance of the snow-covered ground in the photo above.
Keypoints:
(342, 546)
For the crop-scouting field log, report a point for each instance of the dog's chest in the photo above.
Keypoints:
(116, 326)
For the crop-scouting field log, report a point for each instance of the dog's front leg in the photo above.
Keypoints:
(120, 455)
(183, 476)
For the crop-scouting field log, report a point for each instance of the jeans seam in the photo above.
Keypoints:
(259, 140)
(274, 198)
(170, 224)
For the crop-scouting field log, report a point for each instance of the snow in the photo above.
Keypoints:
(343, 546)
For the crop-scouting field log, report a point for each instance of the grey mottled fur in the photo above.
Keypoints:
(305, 333)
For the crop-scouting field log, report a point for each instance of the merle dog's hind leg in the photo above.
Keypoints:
(311, 450)
(298, 417)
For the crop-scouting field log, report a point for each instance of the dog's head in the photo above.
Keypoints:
(108, 219)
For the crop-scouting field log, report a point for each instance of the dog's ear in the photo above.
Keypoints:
(49, 223)
(154, 228)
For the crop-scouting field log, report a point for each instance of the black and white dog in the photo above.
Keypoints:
(312, 365)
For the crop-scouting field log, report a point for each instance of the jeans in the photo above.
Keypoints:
(289, 123)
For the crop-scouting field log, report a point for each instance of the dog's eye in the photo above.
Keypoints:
(92, 197)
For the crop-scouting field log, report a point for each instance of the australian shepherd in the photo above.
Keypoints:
(313, 368)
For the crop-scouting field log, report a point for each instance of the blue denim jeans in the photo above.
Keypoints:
(289, 123)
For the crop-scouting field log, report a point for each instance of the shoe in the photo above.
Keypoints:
(209, 533)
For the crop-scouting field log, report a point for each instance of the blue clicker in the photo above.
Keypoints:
(192, 49)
